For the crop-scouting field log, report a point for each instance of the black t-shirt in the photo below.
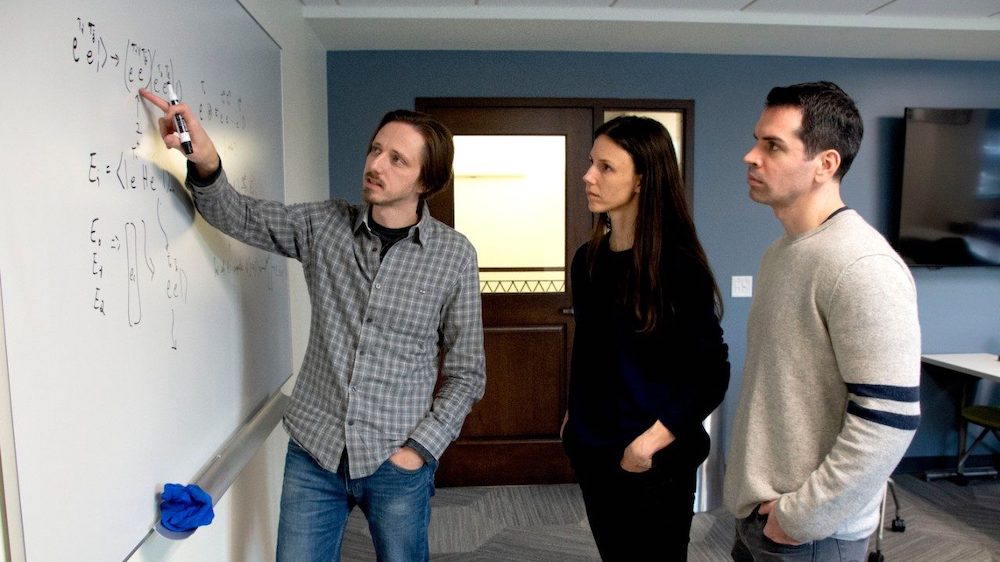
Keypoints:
(388, 236)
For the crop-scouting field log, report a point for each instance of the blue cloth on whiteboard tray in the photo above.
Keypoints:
(183, 508)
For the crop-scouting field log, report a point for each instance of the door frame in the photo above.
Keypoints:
(465, 463)
(598, 107)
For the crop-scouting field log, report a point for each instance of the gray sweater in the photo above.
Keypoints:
(830, 390)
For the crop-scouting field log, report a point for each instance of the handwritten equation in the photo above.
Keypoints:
(139, 247)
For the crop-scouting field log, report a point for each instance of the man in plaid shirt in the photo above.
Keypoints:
(390, 287)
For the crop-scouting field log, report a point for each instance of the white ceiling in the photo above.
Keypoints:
(917, 29)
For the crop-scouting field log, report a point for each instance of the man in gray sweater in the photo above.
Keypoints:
(830, 392)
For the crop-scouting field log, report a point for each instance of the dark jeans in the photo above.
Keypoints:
(639, 516)
(752, 546)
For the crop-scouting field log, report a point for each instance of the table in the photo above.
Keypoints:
(980, 365)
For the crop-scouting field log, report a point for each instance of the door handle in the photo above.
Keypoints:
(568, 311)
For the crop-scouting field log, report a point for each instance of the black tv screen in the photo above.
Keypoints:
(949, 198)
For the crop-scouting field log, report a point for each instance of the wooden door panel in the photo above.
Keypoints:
(524, 395)
(512, 435)
(504, 462)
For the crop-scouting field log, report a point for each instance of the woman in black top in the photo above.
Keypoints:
(649, 362)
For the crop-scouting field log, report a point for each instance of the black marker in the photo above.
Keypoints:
(182, 129)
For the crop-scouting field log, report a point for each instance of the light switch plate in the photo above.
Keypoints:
(742, 286)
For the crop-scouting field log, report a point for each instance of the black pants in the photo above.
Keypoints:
(639, 516)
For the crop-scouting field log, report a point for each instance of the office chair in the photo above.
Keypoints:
(987, 417)
(898, 524)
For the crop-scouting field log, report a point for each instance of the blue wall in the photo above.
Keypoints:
(959, 308)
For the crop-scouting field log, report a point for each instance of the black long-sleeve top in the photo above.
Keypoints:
(622, 380)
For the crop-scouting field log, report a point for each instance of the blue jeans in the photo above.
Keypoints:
(316, 503)
(752, 546)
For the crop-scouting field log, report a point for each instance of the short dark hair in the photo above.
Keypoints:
(830, 119)
(436, 171)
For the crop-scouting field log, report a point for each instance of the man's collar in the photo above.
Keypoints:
(422, 231)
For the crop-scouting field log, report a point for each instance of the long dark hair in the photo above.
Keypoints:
(664, 225)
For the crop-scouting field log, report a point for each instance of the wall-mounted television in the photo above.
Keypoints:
(948, 204)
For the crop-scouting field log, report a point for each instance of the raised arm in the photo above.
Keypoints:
(204, 157)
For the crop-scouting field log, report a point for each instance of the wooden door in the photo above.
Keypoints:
(512, 435)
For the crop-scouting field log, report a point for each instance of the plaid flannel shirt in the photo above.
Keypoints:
(367, 382)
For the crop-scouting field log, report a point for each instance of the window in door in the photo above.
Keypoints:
(510, 201)
(672, 121)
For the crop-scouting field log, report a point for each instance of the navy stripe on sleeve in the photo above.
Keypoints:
(899, 421)
(886, 392)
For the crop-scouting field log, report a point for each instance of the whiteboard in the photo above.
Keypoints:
(138, 339)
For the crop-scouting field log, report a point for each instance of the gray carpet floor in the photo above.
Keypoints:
(944, 522)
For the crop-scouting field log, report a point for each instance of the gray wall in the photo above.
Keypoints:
(959, 308)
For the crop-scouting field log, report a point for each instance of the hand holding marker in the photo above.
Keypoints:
(182, 130)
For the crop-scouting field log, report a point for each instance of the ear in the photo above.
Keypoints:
(638, 184)
(829, 163)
